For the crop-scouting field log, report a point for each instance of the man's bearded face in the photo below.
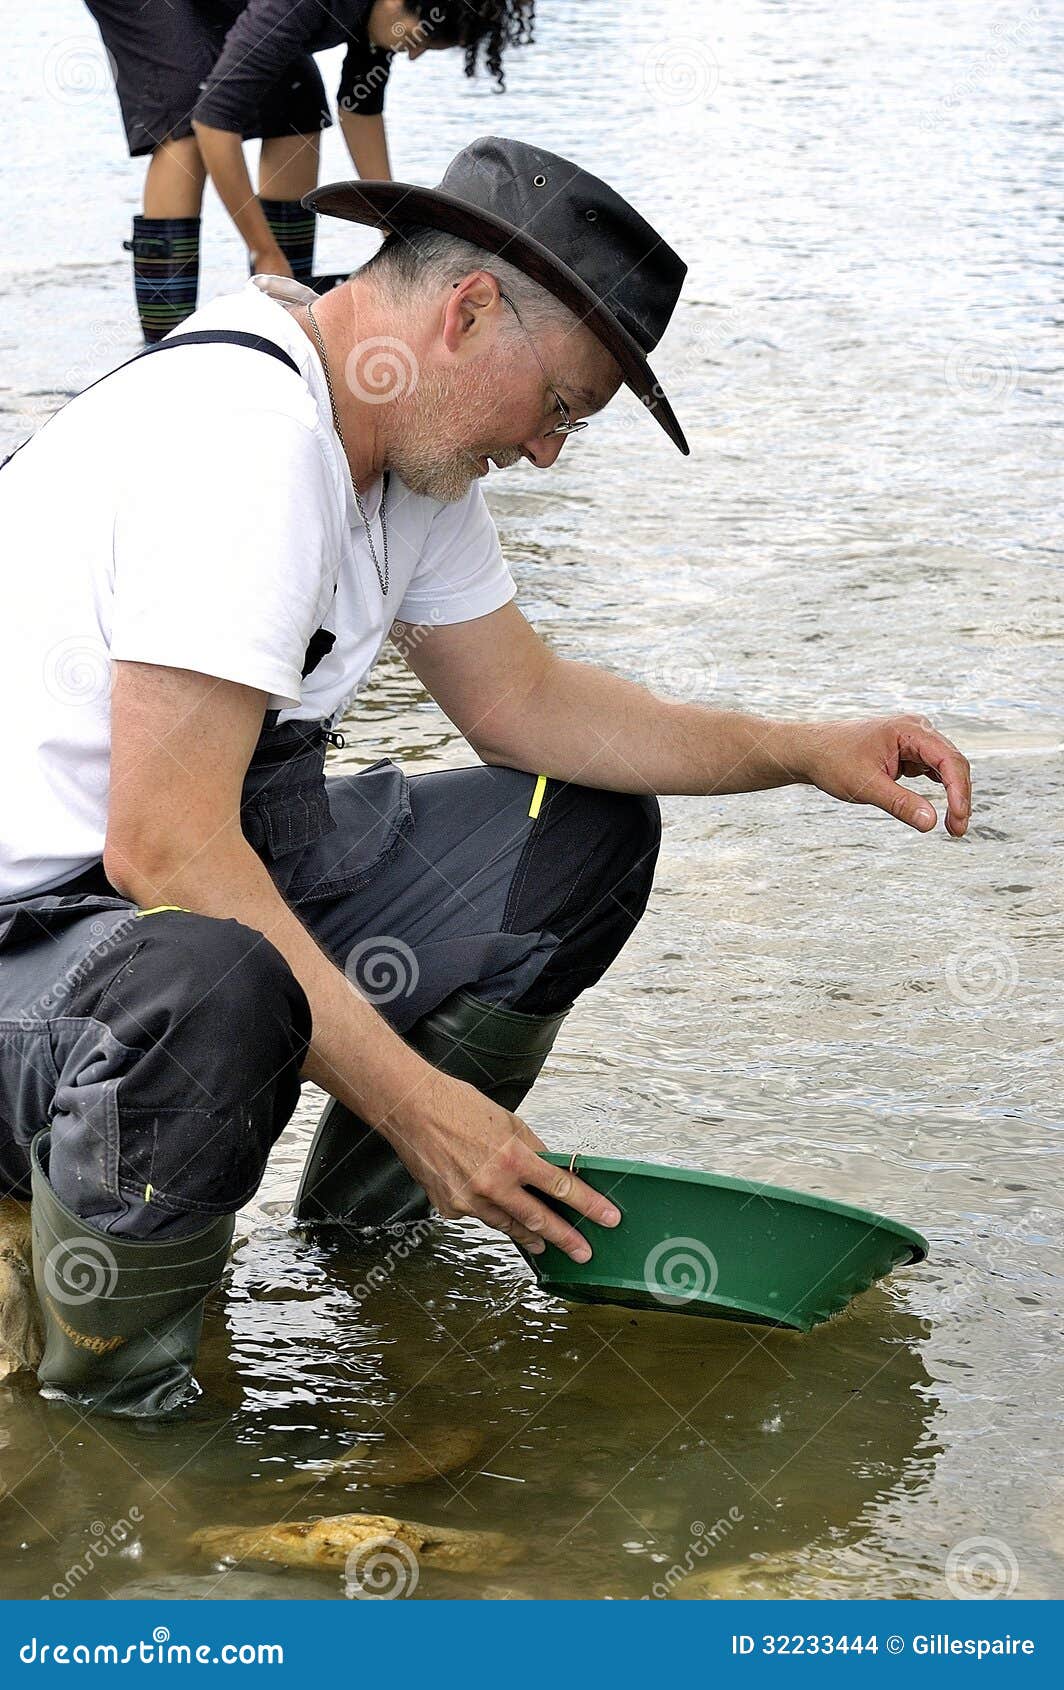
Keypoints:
(449, 423)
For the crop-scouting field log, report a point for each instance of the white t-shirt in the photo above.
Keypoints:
(195, 510)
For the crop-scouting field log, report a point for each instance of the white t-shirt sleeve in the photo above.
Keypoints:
(226, 548)
(461, 573)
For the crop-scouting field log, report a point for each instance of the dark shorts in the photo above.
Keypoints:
(162, 51)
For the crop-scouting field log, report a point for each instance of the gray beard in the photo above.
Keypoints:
(426, 413)
(445, 479)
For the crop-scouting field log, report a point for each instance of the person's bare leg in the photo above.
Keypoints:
(288, 166)
(173, 186)
(166, 238)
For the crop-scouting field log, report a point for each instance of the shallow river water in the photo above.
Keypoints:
(867, 360)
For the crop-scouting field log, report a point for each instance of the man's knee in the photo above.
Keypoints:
(635, 819)
(205, 1027)
(220, 968)
(585, 878)
(218, 993)
(604, 845)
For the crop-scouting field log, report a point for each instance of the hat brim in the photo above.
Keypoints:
(387, 205)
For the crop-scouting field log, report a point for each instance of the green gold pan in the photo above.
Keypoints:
(703, 1244)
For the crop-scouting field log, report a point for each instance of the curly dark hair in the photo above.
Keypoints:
(491, 25)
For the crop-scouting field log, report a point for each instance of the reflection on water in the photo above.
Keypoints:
(611, 1443)
(866, 364)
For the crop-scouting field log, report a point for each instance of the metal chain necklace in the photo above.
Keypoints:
(382, 575)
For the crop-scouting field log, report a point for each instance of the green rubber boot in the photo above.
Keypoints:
(122, 1317)
(353, 1177)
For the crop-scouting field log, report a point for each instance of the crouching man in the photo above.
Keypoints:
(209, 549)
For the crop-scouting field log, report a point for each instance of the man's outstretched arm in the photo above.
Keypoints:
(519, 704)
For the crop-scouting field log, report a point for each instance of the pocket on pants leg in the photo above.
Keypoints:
(28, 1080)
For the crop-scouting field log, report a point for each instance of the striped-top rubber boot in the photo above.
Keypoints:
(166, 254)
(293, 229)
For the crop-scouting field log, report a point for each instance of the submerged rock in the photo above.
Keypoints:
(21, 1344)
(331, 1542)
(409, 1461)
(808, 1573)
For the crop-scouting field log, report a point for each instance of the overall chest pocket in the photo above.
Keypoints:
(283, 819)
(320, 838)
(283, 807)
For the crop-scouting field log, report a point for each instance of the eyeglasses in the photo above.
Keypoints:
(567, 425)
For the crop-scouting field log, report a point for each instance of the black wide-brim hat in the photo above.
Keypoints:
(562, 227)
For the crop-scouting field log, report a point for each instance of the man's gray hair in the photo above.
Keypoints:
(417, 260)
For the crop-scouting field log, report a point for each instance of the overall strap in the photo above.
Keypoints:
(234, 337)
(197, 337)
(322, 641)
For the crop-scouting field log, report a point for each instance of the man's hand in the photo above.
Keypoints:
(474, 1158)
(269, 261)
(862, 763)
